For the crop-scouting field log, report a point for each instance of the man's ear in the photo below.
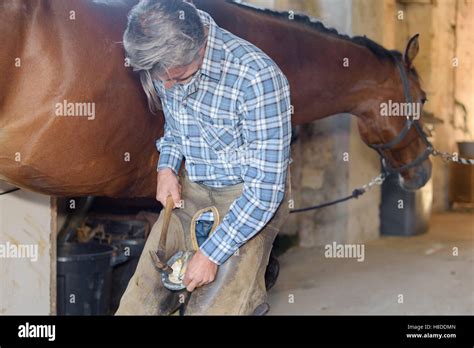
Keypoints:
(411, 51)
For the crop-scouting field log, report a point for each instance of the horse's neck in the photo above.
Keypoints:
(313, 61)
(332, 75)
(335, 76)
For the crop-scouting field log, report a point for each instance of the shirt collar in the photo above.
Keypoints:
(211, 65)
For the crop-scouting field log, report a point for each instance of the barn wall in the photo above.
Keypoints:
(464, 73)
(25, 286)
(446, 33)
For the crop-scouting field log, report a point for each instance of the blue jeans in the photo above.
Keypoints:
(202, 230)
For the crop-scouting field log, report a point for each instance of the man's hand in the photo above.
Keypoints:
(200, 271)
(168, 184)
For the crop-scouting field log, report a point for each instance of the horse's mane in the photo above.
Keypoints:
(115, 3)
(378, 50)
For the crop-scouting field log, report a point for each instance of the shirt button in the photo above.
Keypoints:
(187, 137)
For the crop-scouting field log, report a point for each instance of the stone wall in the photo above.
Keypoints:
(463, 120)
(446, 67)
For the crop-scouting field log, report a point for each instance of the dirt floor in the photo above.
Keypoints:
(422, 269)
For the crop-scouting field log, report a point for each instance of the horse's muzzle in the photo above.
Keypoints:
(417, 178)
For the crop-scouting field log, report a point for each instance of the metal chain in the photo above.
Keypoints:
(378, 180)
(445, 156)
(448, 157)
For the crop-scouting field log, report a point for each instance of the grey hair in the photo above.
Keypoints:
(161, 34)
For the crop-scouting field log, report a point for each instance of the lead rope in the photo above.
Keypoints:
(9, 191)
(377, 181)
(289, 174)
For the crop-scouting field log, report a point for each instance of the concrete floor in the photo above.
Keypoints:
(422, 269)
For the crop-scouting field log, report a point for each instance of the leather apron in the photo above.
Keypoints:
(239, 286)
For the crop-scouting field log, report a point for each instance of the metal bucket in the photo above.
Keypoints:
(466, 149)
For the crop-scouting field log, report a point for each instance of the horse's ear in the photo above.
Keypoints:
(411, 50)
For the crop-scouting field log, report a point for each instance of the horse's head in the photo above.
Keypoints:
(393, 125)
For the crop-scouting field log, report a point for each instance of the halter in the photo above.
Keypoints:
(399, 138)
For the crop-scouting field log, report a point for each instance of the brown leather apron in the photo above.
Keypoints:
(239, 286)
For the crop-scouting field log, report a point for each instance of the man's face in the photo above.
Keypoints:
(181, 74)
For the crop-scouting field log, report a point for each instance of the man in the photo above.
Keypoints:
(227, 112)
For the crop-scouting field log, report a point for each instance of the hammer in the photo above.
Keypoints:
(158, 256)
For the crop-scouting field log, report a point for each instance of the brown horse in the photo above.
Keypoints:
(56, 52)
(60, 59)
(331, 73)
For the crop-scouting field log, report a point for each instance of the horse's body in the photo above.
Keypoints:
(81, 61)
(77, 60)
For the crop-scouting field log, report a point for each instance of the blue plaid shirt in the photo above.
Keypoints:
(232, 123)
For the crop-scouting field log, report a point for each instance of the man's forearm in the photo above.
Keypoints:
(170, 154)
(170, 158)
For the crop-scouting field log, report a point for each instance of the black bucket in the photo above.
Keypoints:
(408, 220)
(84, 278)
(128, 238)
(130, 249)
